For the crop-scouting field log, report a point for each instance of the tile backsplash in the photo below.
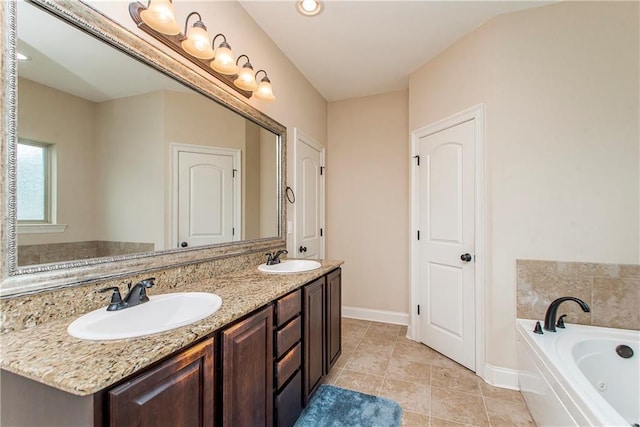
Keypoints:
(611, 290)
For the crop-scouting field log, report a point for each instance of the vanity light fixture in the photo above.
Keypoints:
(161, 16)
(264, 91)
(246, 80)
(158, 20)
(197, 41)
(309, 7)
(224, 62)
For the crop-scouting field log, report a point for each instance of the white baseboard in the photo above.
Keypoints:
(384, 316)
(501, 377)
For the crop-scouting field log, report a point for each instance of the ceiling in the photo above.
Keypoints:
(360, 48)
(87, 69)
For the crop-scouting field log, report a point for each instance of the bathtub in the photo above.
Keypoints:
(575, 377)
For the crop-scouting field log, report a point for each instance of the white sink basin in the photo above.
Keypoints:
(290, 266)
(161, 313)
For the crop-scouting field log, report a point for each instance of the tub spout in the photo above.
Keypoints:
(550, 316)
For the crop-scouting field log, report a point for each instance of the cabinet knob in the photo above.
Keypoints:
(302, 248)
(184, 244)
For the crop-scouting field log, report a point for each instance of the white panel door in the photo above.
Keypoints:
(309, 198)
(205, 198)
(446, 244)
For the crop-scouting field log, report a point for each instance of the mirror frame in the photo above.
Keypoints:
(17, 281)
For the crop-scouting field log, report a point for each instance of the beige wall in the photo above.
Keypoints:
(54, 117)
(130, 206)
(268, 184)
(560, 85)
(367, 199)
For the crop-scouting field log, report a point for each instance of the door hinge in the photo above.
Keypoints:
(418, 309)
(321, 170)
(234, 172)
(417, 160)
(233, 231)
(418, 234)
(321, 232)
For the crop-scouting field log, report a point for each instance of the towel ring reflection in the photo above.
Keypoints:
(290, 195)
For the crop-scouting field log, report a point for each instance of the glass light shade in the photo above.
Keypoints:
(161, 16)
(197, 42)
(246, 80)
(265, 91)
(224, 62)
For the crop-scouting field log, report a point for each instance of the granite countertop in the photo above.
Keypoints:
(47, 354)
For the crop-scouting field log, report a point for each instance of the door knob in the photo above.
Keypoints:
(302, 248)
(184, 244)
(465, 257)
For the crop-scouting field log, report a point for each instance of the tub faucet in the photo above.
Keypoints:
(550, 316)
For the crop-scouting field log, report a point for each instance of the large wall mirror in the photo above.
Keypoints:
(120, 159)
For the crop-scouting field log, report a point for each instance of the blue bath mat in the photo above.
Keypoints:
(336, 407)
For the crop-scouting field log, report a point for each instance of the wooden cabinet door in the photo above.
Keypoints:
(179, 392)
(247, 371)
(314, 336)
(334, 318)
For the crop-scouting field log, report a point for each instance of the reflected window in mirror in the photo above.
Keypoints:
(34, 182)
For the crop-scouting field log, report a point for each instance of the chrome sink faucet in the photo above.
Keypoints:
(550, 316)
(274, 258)
(136, 295)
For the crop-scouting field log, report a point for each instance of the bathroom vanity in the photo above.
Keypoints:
(257, 361)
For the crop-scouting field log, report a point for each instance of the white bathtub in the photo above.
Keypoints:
(574, 377)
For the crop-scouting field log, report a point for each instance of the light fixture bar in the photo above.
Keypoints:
(174, 42)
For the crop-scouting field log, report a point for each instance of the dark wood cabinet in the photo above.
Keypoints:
(322, 315)
(314, 336)
(263, 371)
(288, 359)
(333, 318)
(179, 392)
(247, 371)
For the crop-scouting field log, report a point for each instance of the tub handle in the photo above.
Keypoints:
(560, 323)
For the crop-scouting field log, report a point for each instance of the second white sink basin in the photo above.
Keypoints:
(161, 313)
(290, 266)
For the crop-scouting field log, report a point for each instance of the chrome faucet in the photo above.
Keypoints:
(550, 316)
(274, 258)
(136, 295)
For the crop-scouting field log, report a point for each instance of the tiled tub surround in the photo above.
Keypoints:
(611, 290)
(60, 252)
(39, 348)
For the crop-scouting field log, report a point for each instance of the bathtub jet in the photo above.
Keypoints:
(577, 376)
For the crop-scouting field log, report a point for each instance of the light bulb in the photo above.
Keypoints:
(161, 16)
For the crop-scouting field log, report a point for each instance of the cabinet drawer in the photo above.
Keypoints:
(288, 336)
(288, 307)
(288, 365)
(289, 402)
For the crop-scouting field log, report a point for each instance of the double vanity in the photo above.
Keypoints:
(256, 361)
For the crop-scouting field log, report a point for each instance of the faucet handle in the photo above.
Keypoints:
(560, 323)
(147, 283)
(116, 298)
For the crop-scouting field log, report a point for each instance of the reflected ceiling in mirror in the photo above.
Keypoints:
(117, 161)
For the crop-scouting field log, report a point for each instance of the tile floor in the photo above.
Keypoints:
(433, 390)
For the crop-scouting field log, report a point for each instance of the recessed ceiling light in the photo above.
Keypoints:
(309, 7)
(23, 57)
